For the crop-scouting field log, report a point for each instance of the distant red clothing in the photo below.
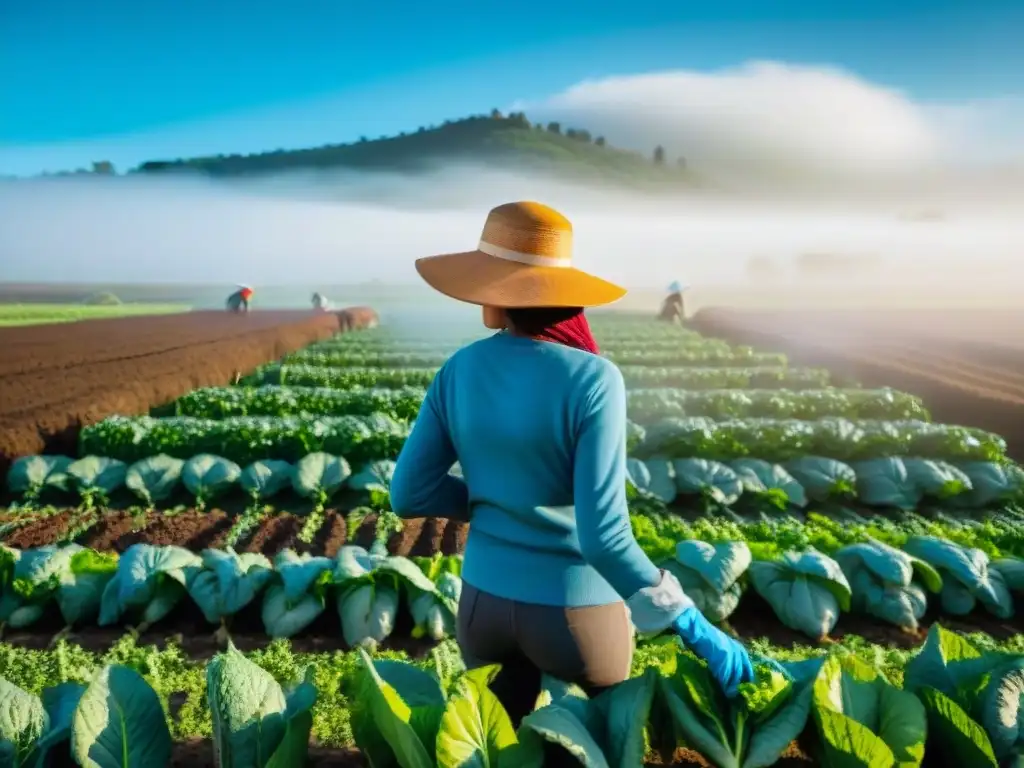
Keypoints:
(246, 293)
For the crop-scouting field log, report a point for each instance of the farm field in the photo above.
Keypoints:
(40, 314)
(831, 527)
(968, 365)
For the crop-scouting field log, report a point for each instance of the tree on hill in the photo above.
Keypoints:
(599, 141)
(103, 167)
(554, 127)
(659, 155)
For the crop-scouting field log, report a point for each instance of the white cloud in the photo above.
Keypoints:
(780, 122)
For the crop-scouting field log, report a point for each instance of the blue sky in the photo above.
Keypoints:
(129, 81)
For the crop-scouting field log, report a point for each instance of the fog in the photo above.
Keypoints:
(910, 196)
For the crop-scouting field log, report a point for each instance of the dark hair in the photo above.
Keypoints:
(534, 320)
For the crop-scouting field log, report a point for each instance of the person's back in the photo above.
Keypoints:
(515, 407)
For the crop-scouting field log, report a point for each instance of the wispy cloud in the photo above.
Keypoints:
(774, 123)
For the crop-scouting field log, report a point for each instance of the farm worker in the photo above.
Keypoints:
(537, 421)
(239, 300)
(320, 302)
(672, 308)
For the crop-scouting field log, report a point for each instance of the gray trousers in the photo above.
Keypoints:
(591, 647)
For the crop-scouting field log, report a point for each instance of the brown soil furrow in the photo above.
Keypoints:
(275, 534)
(42, 531)
(116, 532)
(161, 359)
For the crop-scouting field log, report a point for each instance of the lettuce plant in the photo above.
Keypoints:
(769, 484)
(374, 479)
(434, 612)
(318, 476)
(715, 483)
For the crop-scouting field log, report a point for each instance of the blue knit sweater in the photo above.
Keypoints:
(539, 430)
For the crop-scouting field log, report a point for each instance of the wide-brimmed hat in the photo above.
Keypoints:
(524, 259)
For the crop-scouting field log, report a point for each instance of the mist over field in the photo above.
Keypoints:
(906, 194)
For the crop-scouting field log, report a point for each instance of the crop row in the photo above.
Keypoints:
(952, 699)
(809, 572)
(361, 438)
(635, 376)
(644, 405)
(745, 357)
(744, 485)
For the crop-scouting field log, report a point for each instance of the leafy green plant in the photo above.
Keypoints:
(227, 583)
(807, 590)
(711, 575)
(297, 594)
(154, 478)
(149, 582)
(318, 476)
(256, 724)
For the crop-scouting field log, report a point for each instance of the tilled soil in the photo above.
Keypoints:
(55, 379)
(968, 367)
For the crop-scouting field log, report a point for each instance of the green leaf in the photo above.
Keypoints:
(954, 733)
(248, 708)
(319, 473)
(475, 731)
(267, 478)
(119, 723)
(154, 478)
(383, 709)
(23, 720)
(559, 726)
(97, 473)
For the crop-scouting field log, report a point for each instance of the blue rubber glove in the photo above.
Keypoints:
(727, 659)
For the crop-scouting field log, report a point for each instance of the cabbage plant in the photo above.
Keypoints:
(714, 482)
(318, 476)
(207, 476)
(256, 724)
(297, 594)
(654, 476)
(807, 590)
(369, 585)
(967, 577)
(770, 484)
(863, 720)
(72, 576)
(227, 583)
(264, 479)
(435, 612)
(823, 479)
(30, 476)
(887, 583)
(991, 482)
(155, 478)
(95, 478)
(711, 574)
(149, 582)
(374, 479)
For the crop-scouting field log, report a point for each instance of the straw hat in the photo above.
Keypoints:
(524, 259)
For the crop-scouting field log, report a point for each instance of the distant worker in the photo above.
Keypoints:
(673, 309)
(239, 300)
(320, 302)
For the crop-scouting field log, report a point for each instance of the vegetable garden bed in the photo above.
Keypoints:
(829, 492)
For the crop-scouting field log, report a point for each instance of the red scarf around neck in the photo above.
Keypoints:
(561, 325)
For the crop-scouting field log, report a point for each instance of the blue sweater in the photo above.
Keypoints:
(539, 430)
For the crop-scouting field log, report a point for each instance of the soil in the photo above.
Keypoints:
(967, 366)
(55, 379)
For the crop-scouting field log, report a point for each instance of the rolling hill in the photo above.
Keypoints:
(500, 141)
